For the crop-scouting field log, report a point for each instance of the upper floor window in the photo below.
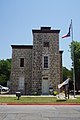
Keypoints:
(21, 62)
(45, 61)
(46, 44)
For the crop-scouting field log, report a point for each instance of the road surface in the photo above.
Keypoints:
(39, 112)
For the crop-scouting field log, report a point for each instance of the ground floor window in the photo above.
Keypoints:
(45, 61)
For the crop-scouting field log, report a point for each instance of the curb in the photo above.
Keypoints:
(39, 104)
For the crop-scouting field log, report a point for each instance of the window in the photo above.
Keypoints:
(45, 78)
(21, 62)
(46, 44)
(45, 61)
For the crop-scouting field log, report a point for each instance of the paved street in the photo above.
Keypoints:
(39, 112)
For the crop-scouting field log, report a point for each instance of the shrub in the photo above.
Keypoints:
(55, 93)
(35, 93)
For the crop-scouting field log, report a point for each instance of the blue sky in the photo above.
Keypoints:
(19, 17)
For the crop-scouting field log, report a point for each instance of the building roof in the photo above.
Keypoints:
(45, 30)
(22, 46)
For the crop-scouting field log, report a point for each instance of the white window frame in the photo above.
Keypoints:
(44, 61)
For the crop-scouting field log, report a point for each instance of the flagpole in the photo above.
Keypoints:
(73, 58)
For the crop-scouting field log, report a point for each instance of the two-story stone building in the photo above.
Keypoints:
(37, 67)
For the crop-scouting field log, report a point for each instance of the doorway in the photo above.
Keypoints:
(21, 84)
(45, 86)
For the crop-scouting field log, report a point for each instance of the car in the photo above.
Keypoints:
(4, 89)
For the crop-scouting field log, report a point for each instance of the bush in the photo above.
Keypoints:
(35, 93)
(55, 93)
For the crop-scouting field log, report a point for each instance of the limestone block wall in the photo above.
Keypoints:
(54, 60)
(33, 71)
(53, 72)
(37, 63)
(52, 51)
(25, 72)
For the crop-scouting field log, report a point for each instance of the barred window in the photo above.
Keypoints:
(45, 61)
(21, 62)
(46, 44)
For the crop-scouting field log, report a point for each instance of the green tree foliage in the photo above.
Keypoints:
(5, 69)
(66, 73)
(75, 46)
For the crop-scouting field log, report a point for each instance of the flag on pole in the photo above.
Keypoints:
(64, 83)
(68, 34)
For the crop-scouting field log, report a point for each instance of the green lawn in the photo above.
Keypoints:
(37, 100)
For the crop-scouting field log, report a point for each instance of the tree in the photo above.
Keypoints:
(5, 69)
(75, 52)
(66, 73)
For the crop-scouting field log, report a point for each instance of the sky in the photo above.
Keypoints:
(19, 17)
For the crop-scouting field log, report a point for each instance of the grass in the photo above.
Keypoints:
(37, 100)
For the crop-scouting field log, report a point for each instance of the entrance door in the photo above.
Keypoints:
(21, 84)
(45, 86)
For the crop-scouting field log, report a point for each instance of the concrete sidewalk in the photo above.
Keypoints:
(14, 95)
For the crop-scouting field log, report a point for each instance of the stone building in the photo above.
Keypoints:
(37, 67)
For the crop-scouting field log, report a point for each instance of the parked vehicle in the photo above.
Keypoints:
(4, 89)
